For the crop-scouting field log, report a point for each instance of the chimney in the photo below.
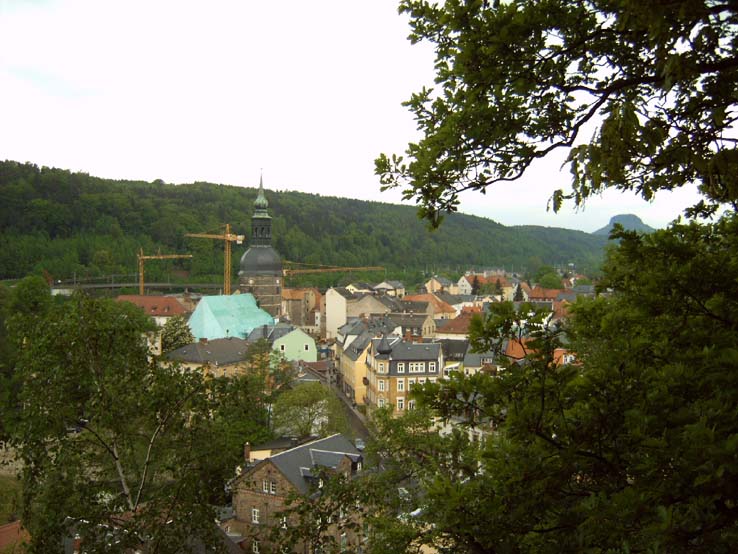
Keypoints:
(247, 452)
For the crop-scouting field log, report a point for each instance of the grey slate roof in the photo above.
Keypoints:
(453, 299)
(410, 306)
(297, 463)
(220, 351)
(474, 359)
(568, 295)
(390, 301)
(347, 294)
(409, 321)
(416, 351)
(454, 349)
(584, 289)
(270, 332)
(357, 346)
(375, 325)
(445, 282)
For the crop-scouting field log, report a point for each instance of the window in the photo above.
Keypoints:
(411, 404)
(401, 367)
(432, 367)
(381, 367)
(254, 515)
(417, 367)
(273, 487)
(255, 547)
(307, 347)
(380, 403)
(410, 383)
(400, 403)
(265, 486)
(380, 384)
(283, 522)
(401, 385)
(421, 380)
(281, 347)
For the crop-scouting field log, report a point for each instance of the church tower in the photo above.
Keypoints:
(261, 266)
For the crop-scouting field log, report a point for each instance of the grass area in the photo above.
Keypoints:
(10, 496)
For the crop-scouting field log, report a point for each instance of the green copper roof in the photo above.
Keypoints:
(218, 317)
(261, 203)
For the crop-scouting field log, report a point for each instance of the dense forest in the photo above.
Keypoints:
(75, 225)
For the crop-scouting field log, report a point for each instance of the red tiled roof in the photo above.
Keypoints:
(156, 306)
(539, 293)
(12, 534)
(491, 280)
(561, 309)
(516, 349)
(457, 326)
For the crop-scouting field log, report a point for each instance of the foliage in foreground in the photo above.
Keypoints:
(632, 448)
(117, 447)
(639, 96)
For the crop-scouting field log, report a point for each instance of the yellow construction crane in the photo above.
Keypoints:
(228, 237)
(142, 258)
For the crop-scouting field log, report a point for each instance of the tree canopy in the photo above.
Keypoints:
(629, 447)
(91, 227)
(309, 409)
(116, 447)
(640, 96)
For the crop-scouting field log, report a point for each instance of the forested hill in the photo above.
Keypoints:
(71, 223)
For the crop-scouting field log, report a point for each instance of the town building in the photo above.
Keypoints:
(261, 266)
(261, 492)
(352, 344)
(219, 357)
(395, 366)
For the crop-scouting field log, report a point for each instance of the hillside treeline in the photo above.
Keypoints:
(72, 224)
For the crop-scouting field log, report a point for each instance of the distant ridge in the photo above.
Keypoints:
(72, 225)
(630, 222)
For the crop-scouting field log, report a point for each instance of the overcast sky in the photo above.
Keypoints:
(310, 91)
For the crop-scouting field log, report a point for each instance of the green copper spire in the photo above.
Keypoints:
(261, 203)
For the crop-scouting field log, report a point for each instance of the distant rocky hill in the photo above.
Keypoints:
(629, 222)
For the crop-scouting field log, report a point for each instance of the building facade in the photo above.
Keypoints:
(395, 366)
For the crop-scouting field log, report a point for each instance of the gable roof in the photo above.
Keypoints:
(217, 351)
(539, 293)
(439, 306)
(218, 317)
(155, 306)
(297, 464)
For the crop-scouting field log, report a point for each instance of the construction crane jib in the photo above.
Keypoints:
(228, 238)
(142, 258)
